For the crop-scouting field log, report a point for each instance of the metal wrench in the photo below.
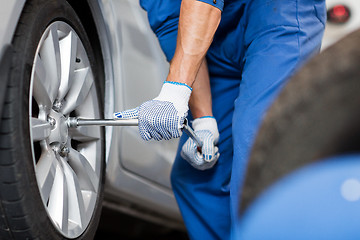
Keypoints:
(74, 122)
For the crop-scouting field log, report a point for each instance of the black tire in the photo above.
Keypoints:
(22, 212)
(315, 116)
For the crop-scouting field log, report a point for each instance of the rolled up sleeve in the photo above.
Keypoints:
(216, 3)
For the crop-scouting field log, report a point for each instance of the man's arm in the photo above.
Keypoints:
(204, 124)
(200, 101)
(163, 116)
(197, 25)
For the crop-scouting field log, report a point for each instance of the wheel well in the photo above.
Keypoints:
(83, 11)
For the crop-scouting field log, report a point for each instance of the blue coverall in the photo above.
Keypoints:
(257, 47)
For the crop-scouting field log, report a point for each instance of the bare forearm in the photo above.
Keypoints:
(197, 25)
(200, 101)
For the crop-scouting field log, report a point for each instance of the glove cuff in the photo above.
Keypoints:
(171, 91)
(206, 123)
(176, 93)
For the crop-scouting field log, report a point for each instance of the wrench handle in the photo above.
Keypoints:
(77, 122)
(190, 132)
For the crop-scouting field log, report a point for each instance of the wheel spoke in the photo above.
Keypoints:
(58, 201)
(41, 85)
(50, 56)
(68, 47)
(90, 201)
(45, 173)
(40, 129)
(88, 178)
(76, 201)
(79, 90)
(85, 134)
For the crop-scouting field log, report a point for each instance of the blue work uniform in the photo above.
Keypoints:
(257, 47)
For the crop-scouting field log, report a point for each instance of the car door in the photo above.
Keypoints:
(143, 70)
(137, 172)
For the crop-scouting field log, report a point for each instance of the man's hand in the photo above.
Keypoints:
(206, 129)
(162, 117)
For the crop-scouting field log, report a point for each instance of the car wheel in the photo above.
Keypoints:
(51, 176)
(315, 116)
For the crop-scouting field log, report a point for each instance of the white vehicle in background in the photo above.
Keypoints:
(343, 17)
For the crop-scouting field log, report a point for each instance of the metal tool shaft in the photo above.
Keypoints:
(77, 122)
(190, 132)
(74, 122)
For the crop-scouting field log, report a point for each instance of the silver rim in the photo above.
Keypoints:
(67, 161)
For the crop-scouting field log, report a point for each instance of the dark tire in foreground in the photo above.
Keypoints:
(316, 115)
(51, 176)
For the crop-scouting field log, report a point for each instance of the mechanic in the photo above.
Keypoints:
(233, 69)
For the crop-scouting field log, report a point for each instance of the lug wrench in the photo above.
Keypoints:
(74, 122)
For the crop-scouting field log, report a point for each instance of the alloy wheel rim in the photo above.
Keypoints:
(66, 161)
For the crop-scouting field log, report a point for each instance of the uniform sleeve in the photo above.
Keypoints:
(216, 3)
(163, 18)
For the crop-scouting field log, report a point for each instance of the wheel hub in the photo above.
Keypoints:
(59, 133)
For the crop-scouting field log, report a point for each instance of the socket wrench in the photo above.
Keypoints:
(74, 122)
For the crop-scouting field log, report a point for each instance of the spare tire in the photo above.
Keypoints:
(316, 115)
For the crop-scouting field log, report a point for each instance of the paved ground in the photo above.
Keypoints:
(118, 226)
